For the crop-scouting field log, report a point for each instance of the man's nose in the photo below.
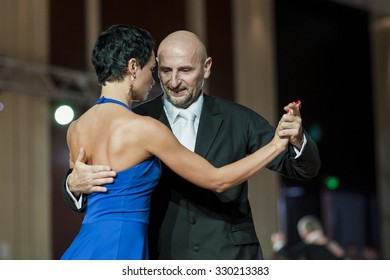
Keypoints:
(175, 80)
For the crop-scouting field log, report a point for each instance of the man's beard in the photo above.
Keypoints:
(183, 102)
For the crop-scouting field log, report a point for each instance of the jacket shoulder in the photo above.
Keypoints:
(228, 107)
(152, 107)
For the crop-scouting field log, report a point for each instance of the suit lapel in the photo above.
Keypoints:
(155, 109)
(209, 124)
(164, 119)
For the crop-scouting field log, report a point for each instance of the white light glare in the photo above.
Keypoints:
(64, 115)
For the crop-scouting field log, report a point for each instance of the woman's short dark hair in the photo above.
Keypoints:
(116, 46)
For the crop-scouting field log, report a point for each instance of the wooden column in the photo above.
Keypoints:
(24, 139)
(255, 88)
(380, 35)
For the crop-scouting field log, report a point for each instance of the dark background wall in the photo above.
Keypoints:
(67, 34)
(323, 59)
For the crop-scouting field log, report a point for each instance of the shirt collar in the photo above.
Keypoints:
(172, 112)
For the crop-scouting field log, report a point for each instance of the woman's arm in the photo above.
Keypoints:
(158, 140)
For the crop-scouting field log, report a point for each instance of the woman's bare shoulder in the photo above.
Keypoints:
(141, 125)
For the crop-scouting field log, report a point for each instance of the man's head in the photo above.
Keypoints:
(182, 66)
(307, 225)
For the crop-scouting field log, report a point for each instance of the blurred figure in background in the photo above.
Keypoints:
(352, 252)
(314, 245)
(370, 253)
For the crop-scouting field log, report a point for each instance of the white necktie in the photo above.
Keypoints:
(187, 135)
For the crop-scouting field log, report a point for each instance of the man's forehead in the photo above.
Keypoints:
(176, 60)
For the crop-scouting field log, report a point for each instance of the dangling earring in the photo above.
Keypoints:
(130, 91)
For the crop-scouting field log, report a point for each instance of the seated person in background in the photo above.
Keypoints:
(314, 245)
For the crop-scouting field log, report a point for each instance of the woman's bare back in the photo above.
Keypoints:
(109, 134)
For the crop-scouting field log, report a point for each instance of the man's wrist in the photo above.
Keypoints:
(298, 144)
(69, 184)
(297, 151)
(77, 201)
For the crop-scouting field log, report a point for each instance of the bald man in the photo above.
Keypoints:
(187, 222)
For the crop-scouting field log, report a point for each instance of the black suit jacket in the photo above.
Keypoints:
(188, 222)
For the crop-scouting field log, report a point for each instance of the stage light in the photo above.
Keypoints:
(332, 182)
(64, 115)
(315, 132)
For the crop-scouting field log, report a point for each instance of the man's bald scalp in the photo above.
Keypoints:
(183, 39)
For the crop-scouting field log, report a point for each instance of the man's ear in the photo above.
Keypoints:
(207, 67)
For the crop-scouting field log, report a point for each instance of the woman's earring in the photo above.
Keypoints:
(130, 91)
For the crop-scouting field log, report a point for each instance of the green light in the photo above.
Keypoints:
(332, 182)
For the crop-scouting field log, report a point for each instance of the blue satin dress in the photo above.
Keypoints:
(115, 225)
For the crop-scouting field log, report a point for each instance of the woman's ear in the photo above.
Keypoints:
(132, 66)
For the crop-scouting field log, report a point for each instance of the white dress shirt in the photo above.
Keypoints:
(173, 112)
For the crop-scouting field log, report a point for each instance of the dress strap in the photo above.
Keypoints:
(109, 100)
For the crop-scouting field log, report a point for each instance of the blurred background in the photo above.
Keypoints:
(332, 55)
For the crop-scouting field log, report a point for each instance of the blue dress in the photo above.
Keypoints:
(115, 225)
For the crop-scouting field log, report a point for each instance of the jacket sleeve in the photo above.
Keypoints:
(304, 167)
(308, 164)
(68, 200)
